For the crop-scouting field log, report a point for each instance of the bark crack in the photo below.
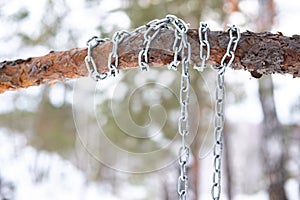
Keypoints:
(258, 53)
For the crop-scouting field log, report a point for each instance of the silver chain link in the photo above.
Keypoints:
(204, 45)
(219, 118)
(181, 45)
(234, 37)
(89, 60)
(183, 128)
(180, 42)
(153, 28)
(116, 40)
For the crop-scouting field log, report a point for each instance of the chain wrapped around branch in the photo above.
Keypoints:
(153, 28)
(181, 46)
(89, 60)
(259, 53)
(116, 39)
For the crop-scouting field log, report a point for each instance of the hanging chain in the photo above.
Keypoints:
(181, 45)
(183, 127)
(116, 40)
(89, 60)
(219, 118)
(204, 44)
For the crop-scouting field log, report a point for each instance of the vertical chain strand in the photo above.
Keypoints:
(219, 118)
(218, 146)
(183, 129)
(181, 45)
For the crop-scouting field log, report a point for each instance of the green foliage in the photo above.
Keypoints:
(22, 14)
(136, 110)
(46, 126)
(143, 11)
(54, 128)
(140, 110)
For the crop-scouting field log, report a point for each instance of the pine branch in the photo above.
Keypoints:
(258, 53)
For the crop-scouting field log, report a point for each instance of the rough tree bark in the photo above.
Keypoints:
(259, 53)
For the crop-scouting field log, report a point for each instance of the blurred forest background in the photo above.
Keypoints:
(118, 139)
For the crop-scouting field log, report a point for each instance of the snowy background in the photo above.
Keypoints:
(30, 173)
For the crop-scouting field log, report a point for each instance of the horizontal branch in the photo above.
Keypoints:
(259, 53)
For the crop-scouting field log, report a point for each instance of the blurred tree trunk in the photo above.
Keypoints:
(231, 7)
(201, 126)
(272, 146)
(194, 169)
(165, 188)
(228, 166)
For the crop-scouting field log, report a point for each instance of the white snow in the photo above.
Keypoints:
(22, 164)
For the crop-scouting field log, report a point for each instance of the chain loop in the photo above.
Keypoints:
(219, 118)
(204, 45)
(180, 41)
(178, 23)
(89, 60)
(116, 40)
(227, 59)
(150, 34)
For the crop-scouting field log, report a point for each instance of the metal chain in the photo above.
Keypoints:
(181, 45)
(219, 118)
(116, 40)
(89, 60)
(234, 37)
(183, 128)
(204, 44)
(153, 28)
(180, 42)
